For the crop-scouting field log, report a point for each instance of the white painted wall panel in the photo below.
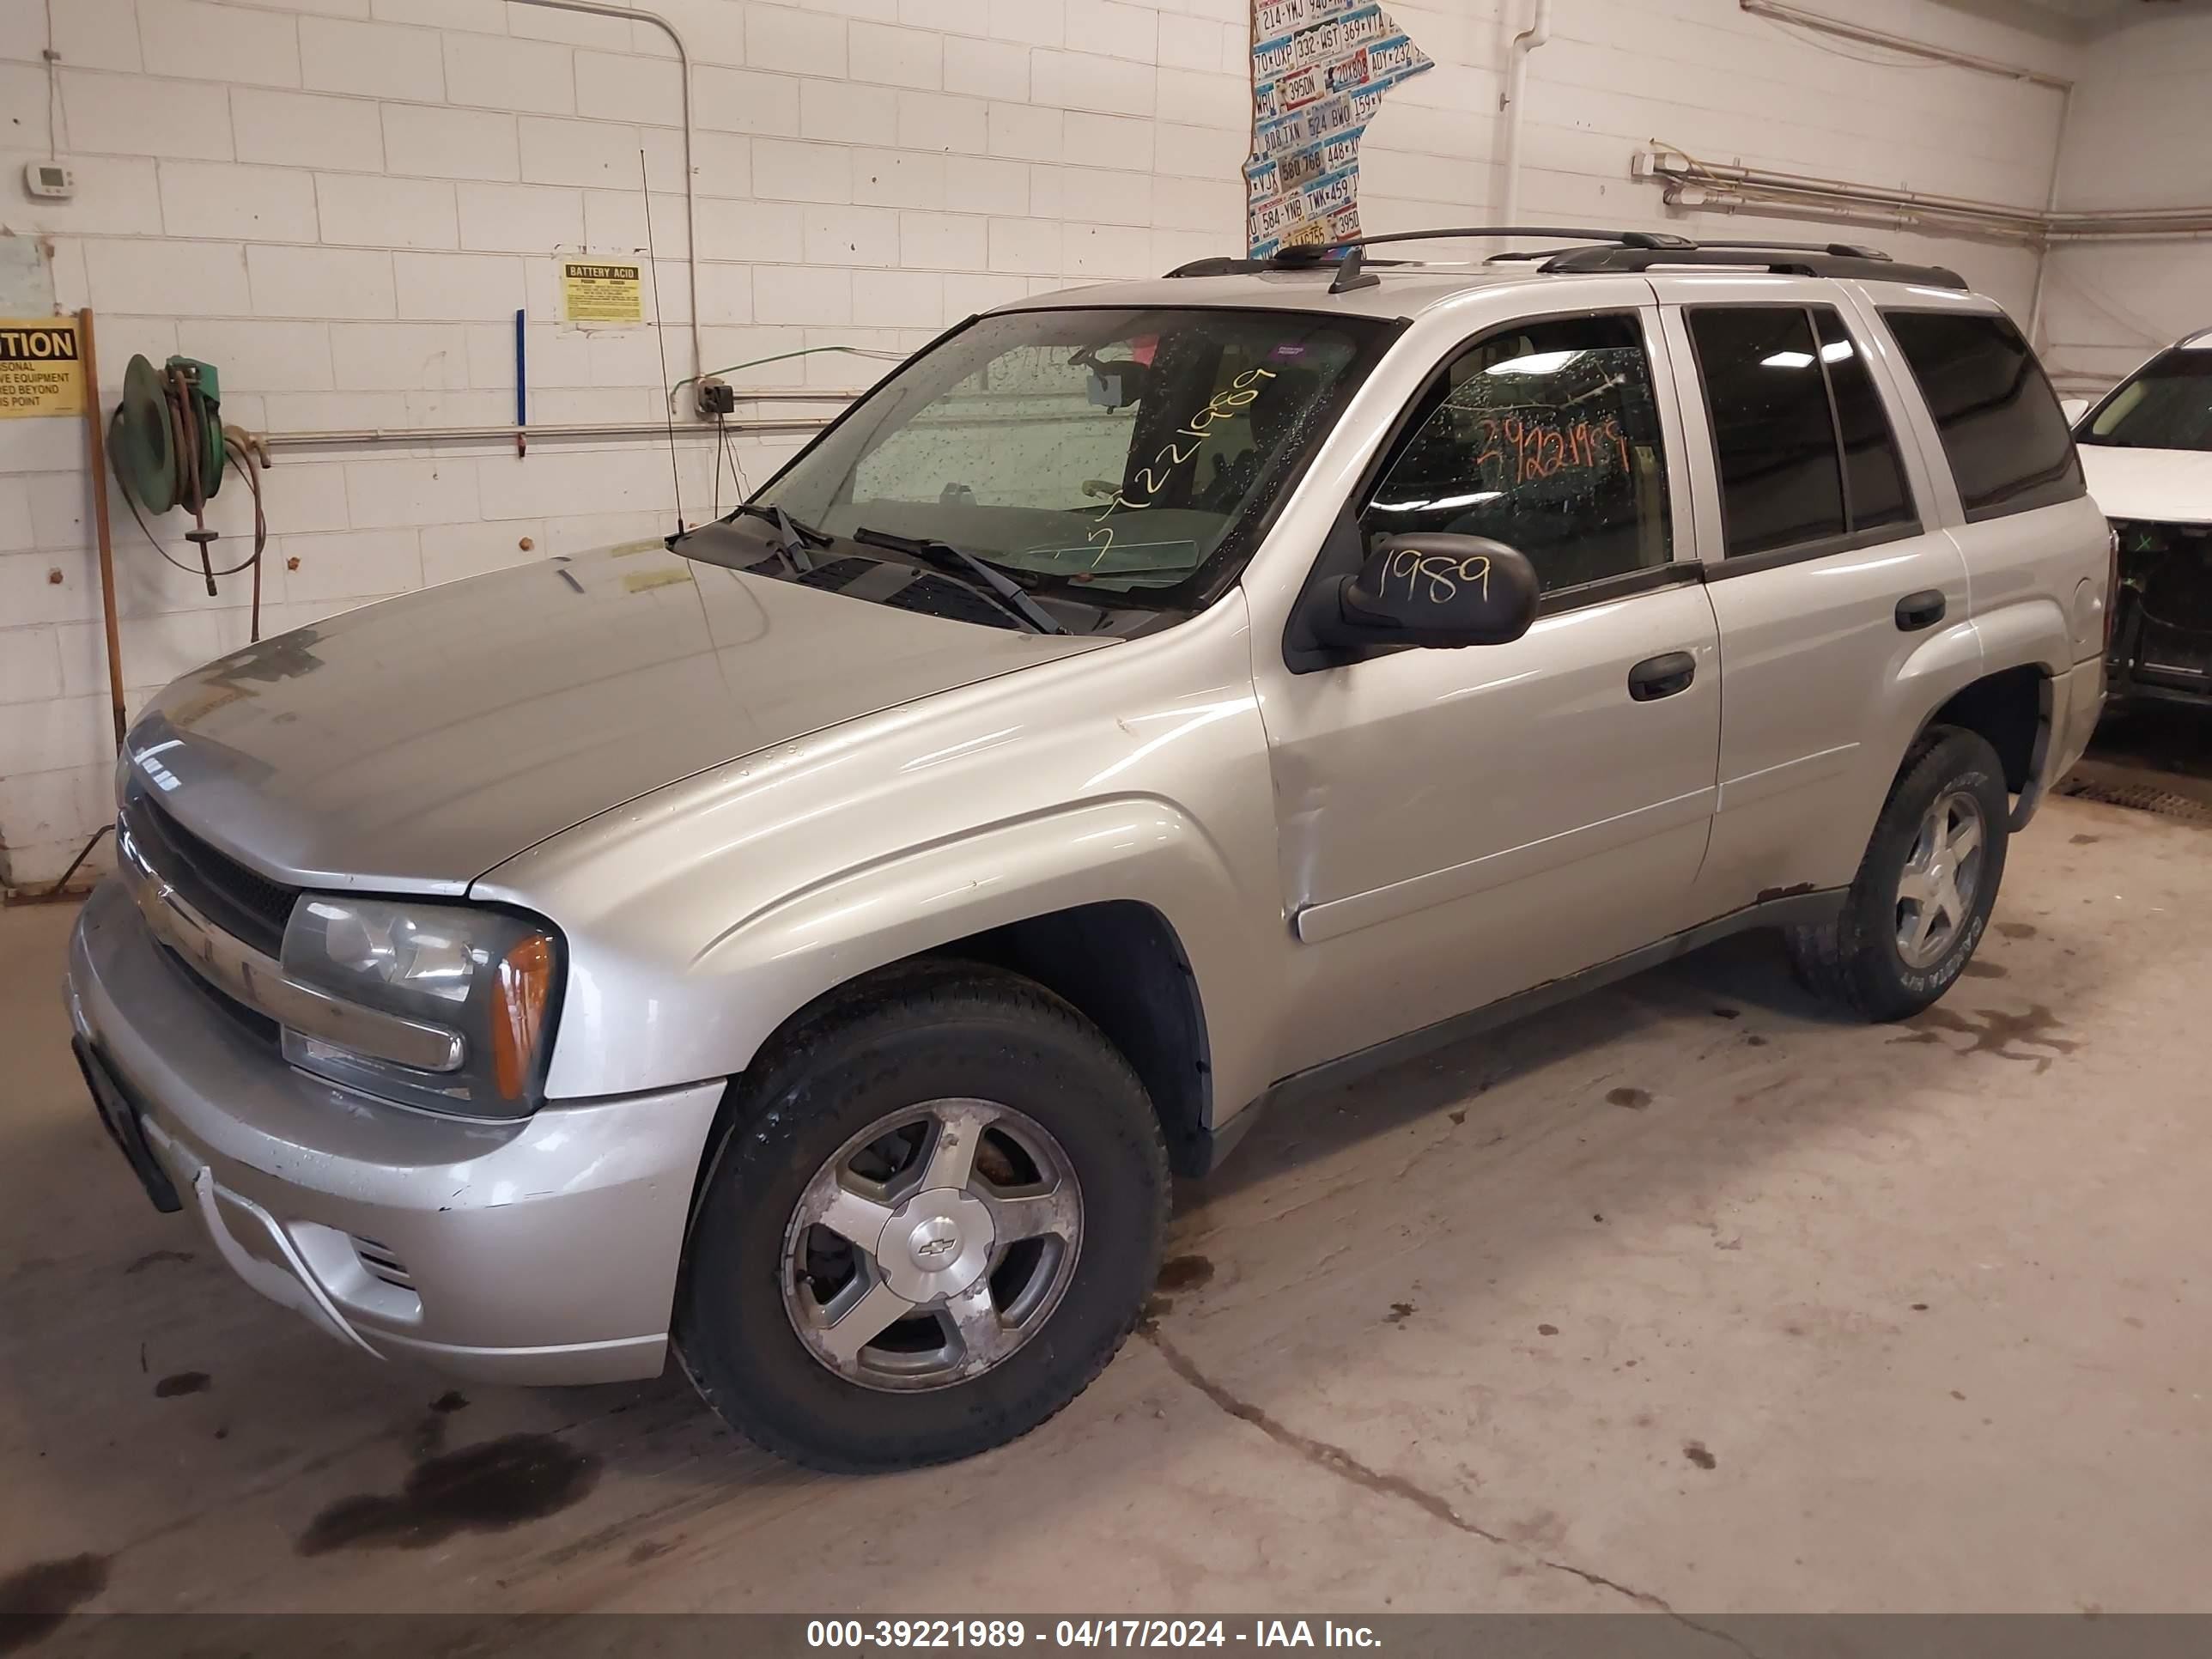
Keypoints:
(2141, 136)
(341, 203)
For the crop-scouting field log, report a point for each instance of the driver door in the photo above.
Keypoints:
(1459, 825)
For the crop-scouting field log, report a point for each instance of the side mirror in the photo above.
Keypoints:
(1436, 591)
(2073, 409)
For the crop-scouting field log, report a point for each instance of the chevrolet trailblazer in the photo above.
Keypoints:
(809, 944)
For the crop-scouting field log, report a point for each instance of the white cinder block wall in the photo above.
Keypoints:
(341, 203)
(2140, 137)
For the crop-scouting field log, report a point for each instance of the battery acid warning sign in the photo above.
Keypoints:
(39, 371)
(591, 293)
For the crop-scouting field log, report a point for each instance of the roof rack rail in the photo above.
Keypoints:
(1348, 256)
(1841, 250)
(1596, 251)
(1863, 265)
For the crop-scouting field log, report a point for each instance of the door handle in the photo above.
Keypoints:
(1662, 677)
(1918, 611)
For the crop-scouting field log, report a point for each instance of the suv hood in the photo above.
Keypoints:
(411, 746)
(2173, 486)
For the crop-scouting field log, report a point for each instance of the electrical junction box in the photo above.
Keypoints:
(50, 180)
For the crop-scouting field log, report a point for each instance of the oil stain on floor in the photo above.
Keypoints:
(482, 1488)
(1184, 1272)
(34, 1600)
(2008, 1036)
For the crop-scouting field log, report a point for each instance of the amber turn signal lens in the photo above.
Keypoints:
(518, 1012)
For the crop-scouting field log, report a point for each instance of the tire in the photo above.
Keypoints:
(763, 1285)
(1860, 961)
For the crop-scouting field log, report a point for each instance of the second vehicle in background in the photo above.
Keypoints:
(2147, 450)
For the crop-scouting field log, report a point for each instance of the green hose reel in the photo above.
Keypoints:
(166, 438)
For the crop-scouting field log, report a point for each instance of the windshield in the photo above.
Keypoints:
(1127, 452)
(2167, 405)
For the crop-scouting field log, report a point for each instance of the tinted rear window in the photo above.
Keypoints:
(1772, 432)
(1875, 476)
(2002, 427)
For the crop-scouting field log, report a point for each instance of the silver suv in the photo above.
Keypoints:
(811, 942)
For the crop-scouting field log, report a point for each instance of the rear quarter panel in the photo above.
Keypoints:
(2036, 581)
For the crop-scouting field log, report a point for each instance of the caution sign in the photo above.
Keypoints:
(601, 293)
(39, 367)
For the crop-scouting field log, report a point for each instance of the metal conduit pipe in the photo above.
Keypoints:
(2050, 207)
(638, 13)
(1685, 176)
(1511, 101)
(584, 430)
(1779, 11)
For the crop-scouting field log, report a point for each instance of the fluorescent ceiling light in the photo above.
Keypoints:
(1536, 363)
(1475, 500)
(1788, 360)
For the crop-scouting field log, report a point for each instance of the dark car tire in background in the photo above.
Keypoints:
(1874, 958)
(860, 1095)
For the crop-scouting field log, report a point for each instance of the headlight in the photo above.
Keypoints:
(486, 978)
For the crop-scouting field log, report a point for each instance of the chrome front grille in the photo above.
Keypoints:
(242, 902)
(238, 969)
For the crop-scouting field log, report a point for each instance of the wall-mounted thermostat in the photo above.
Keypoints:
(50, 180)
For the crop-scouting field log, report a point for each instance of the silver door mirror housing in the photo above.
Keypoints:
(1437, 591)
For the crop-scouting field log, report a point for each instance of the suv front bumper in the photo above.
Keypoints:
(543, 1250)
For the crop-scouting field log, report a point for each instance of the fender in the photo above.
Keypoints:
(1938, 668)
(700, 918)
(1125, 847)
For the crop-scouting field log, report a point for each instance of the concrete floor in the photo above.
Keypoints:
(1683, 1297)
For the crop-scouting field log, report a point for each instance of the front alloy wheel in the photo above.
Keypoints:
(932, 1244)
(932, 1215)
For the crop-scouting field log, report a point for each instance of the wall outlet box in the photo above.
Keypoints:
(50, 180)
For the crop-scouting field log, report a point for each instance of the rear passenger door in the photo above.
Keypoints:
(1826, 571)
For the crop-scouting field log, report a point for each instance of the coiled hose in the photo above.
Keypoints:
(168, 446)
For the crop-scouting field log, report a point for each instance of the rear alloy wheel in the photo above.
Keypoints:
(934, 1214)
(1936, 893)
(1925, 888)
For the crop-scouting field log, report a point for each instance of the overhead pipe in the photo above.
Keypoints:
(1780, 11)
(1690, 183)
(1873, 37)
(1512, 99)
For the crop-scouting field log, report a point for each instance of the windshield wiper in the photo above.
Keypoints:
(999, 586)
(793, 537)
